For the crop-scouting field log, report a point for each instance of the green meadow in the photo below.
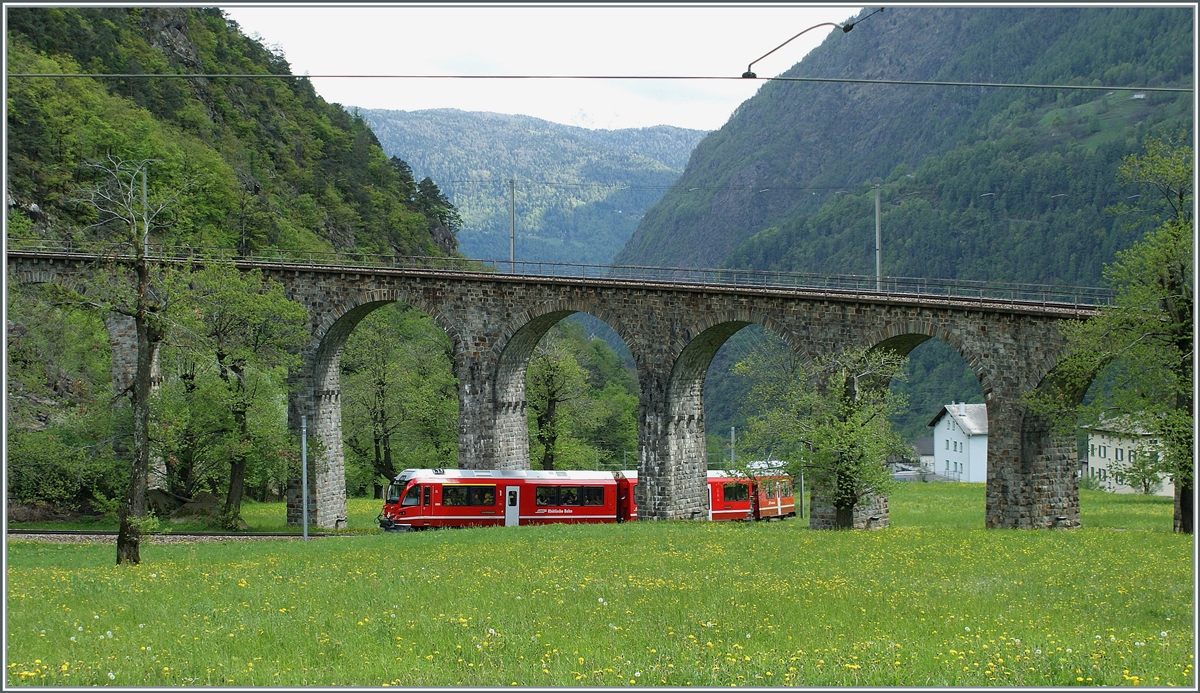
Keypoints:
(934, 600)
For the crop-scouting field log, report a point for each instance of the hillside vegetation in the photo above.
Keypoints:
(267, 162)
(976, 183)
(580, 193)
(786, 183)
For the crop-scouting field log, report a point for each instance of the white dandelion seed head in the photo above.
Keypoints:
(153, 575)
(72, 638)
(1097, 637)
(637, 673)
(1163, 633)
(967, 628)
(141, 625)
(80, 627)
(1068, 650)
(601, 600)
(112, 675)
(95, 616)
(492, 631)
(108, 633)
(1037, 651)
(747, 635)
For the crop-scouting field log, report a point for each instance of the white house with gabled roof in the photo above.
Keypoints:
(1121, 443)
(960, 433)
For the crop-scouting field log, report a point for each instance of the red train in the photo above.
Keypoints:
(430, 498)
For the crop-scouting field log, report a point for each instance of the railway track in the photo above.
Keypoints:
(108, 536)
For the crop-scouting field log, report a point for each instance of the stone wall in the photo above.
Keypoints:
(295, 503)
(870, 514)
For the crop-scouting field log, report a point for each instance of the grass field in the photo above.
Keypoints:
(933, 600)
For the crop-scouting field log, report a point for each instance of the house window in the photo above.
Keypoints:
(1104, 451)
(1120, 453)
(947, 443)
(1091, 449)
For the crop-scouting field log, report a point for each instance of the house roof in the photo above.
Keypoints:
(1123, 427)
(971, 418)
(924, 445)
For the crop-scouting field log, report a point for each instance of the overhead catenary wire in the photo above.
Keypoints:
(820, 80)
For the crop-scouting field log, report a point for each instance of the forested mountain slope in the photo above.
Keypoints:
(580, 193)
(267, 163)
(976, 183)
(980, 183)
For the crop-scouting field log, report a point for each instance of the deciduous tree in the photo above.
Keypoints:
(131, 285)
(1143, 343)
(829, 419)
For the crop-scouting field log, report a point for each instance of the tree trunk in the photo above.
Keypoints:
(133, 511)
(237, 474)
(546, 435)
(843, 518)
(1185, 509)
(233, 501)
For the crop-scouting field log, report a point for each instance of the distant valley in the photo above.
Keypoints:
(580, 193)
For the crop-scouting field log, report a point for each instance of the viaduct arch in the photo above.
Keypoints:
(672, 330)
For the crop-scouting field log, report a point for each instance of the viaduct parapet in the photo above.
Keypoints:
(673, 330)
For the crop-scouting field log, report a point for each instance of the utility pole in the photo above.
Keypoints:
(304, 473)
(145, 215)
(878, 246)
(512, 226)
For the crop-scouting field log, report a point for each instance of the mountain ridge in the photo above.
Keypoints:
(579, 191)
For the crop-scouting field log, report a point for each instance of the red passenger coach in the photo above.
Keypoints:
(730, 496)
(423, 498)
(429, 498)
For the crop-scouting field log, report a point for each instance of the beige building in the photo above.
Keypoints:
(1107, 446)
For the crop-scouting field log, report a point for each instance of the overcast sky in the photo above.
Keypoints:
(511, 40)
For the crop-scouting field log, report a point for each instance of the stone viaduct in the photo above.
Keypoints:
(673, 330)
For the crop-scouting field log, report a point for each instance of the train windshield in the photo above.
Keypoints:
(393, 493)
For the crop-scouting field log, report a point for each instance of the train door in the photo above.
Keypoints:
(512, 506)
(712, 499)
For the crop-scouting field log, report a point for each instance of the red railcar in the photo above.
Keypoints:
(429, 498)
(736, 497)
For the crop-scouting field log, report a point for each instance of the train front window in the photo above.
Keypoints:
(413, 497)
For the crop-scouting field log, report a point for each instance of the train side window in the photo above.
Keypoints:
(736, 492)
(413, 497)
(469, 495)
(428, 495)
(547, 495)
(593, 495)
(568, 495)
